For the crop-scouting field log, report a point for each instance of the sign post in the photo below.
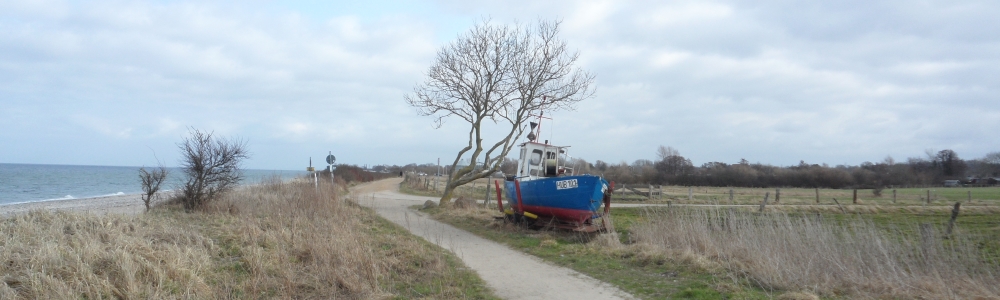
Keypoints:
(313, 171)
(330, 159)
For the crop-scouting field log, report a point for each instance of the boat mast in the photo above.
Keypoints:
(541, 114)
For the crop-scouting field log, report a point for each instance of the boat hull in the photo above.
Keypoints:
(573, 199)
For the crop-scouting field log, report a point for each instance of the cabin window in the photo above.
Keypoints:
(534, 172)
(550, 155)
(536, 157)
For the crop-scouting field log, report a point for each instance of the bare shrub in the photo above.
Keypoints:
(151, 181)
(877, 190)
(804, 253)
(465, 203)
(212, 166)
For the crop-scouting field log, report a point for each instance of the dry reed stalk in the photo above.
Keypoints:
(854, 258)
(270, 240)
(66, 255)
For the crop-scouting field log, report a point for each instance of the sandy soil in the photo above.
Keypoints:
(511, 274)
(119, 204)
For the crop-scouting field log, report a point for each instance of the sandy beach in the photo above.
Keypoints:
(119, 204)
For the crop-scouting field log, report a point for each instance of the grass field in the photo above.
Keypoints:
(980, 196)
(989, 196)
(274, 240)
(710, 265)
(636, 270)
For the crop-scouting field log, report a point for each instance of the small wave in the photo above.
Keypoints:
(67, 197)
(109, 195)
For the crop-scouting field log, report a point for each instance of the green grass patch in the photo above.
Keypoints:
(646, 275)
(432, 272)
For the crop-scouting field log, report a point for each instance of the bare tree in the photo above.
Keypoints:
(949, 163)
(498, 74)
(151, 181)
(212, 166)
(663, 152)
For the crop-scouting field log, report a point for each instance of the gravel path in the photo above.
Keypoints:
(511, 274)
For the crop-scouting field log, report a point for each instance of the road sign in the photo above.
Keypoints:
(330, 159)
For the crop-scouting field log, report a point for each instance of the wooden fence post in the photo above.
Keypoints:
(777, 195)
(928, 196)
(970, 195)
(764, 203)
(731, 196)
(690, 194)
(954, 215)
(487, 201)
(855, 201)
(650, 192)
(894, 196)
(659, 190)
(817, 195)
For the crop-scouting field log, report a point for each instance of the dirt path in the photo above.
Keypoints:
(511, 274)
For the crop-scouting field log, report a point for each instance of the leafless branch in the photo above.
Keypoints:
(212, 166)
(498, 74)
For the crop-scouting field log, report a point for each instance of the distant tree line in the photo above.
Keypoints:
(354, 173)
(674, 169)
(670, 168)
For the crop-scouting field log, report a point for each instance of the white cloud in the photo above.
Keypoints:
(837, 82)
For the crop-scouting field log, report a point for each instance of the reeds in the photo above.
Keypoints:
(46, 255)
(853, 257)
(274, 240)
(295, 239)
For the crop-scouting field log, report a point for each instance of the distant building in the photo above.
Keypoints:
(952, 183)
(987, 181)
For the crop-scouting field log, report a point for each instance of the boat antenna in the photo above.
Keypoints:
(540, 114)
(537, 127)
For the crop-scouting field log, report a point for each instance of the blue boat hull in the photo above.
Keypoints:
(573, 199)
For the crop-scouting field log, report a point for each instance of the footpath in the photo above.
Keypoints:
(510, 273)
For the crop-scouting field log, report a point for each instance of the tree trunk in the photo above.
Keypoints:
(449, 190)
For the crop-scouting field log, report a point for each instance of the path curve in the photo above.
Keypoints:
(510, 273)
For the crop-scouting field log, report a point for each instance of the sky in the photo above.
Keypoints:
(776, 82)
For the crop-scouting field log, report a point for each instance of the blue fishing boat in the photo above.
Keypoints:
(544, 190)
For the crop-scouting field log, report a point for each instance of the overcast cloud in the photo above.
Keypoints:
(838, 82)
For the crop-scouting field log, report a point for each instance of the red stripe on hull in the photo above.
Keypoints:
(564, 214)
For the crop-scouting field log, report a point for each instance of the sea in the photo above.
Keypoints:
(21, 183)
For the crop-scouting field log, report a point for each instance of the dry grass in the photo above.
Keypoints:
(271, 240)
(292, 240)
(854, 258)
(65, 255)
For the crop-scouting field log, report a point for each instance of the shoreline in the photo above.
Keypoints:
(129, 204)
(120, 204)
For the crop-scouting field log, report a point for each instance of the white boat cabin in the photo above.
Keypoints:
(539, 161)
